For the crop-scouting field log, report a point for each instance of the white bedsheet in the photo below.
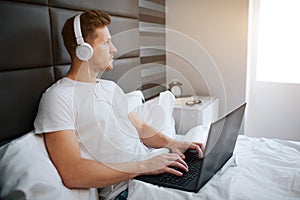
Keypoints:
(259, 169)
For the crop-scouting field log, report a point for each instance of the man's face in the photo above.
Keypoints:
(103, 50)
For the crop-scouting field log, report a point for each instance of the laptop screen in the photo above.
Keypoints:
(221, 142)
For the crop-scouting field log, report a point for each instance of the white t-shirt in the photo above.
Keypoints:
(98, 113)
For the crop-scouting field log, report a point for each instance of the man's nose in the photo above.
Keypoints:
(113, 49)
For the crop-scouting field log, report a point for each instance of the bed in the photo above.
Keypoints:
(260, 168)
(33, 58)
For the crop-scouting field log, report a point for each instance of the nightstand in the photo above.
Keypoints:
(189, 116)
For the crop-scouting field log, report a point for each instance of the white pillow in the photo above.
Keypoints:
(135, 99)
(26, 172)
(196, 134)
(158, 113)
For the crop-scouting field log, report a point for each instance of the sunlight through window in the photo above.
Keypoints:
(279, 41)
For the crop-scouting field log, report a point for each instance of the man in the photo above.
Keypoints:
(91, 139)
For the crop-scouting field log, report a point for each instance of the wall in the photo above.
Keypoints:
(273, 108)
(207, 48)
(152, 46)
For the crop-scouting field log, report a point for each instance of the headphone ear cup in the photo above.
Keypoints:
(84, 51)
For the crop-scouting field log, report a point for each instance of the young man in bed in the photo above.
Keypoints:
(90, 137)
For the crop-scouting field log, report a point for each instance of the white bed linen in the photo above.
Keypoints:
(26, 172)
(259, 169)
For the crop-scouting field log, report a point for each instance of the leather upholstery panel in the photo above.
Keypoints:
(32, 54)
(124, 31)
(58, 18)
(60, 71)
(125, 36)
(42, 2)
(124, 70)
(25, 36)
(20, 93)
(125, 8)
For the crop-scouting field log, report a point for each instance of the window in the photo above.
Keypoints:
(279, 41)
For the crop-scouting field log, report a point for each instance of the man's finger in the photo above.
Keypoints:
(197, 148)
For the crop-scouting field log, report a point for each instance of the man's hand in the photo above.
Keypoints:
(179, 147)
(164, 163)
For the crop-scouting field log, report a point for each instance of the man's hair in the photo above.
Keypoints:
(90, 20)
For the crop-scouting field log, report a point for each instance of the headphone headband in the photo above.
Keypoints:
(77, 30)
(84, 51)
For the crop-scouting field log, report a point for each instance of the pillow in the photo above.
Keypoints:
(196, 134)
(158, 113)
(26, 172)
(135, 99)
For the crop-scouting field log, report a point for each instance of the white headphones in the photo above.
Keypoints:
(84, 51)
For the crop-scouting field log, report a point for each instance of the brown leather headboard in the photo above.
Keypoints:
(32, 55)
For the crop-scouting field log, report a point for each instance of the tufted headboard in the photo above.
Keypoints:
(32, 55)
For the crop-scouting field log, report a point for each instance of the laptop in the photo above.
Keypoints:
(219, 148)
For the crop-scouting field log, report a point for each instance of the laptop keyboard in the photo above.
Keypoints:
(194, 162)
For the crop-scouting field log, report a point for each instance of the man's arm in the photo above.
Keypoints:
(151, 138)
(77, 172)
(148, 135)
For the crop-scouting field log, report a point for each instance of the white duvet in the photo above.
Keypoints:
(259, 169)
